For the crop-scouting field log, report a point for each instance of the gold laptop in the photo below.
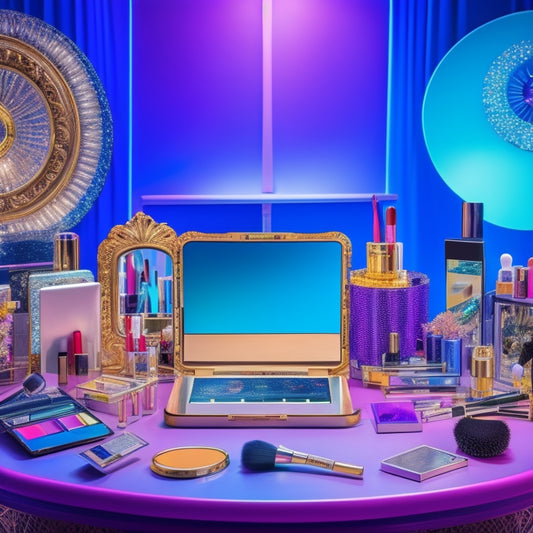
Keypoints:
(263, 331)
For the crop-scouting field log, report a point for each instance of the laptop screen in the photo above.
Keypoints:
(262, 301)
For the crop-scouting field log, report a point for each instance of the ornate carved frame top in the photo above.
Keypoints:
(139, 232)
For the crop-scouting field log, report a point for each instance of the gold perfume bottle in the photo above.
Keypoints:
(383, 266)
(482, 372)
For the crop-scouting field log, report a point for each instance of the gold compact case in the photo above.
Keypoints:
(189, 462)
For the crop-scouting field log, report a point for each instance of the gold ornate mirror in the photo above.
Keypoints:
(137, 270)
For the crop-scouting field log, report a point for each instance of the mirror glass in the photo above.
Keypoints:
(145, 288)
(145, 284)
(137, 268)
(275, 301)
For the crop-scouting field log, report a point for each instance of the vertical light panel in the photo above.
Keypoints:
(241, 97)
(130, 110)
(268, 175)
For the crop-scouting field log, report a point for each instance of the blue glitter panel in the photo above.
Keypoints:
(507, 95)
(35, 283)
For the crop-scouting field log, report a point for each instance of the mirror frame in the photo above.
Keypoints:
(141, 231)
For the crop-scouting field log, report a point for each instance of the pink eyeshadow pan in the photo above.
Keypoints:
(47, 427)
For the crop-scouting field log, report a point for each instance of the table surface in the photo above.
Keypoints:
(62, 485)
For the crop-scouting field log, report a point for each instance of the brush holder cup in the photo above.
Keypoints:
(377, 311)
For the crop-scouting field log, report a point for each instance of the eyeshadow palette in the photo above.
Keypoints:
(49, 421)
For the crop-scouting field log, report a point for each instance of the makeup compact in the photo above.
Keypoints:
(189, 462)
(264, 342)
(114, 453)
(423, 462)
(49, 420)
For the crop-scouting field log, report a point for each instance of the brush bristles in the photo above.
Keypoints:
(259, 455)
(482, 438)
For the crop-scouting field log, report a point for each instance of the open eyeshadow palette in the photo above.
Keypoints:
(49, 421)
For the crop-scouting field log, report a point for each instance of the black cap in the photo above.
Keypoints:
(472, 220)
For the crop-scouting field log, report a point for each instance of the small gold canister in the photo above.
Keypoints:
(66, 251)
(482, 372)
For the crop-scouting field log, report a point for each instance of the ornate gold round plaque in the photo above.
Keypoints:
(55, 130)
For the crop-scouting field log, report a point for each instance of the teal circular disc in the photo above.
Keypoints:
(478, 139)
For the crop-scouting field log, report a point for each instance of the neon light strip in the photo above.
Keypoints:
(130, 112)
(268, 173)
(389, 97)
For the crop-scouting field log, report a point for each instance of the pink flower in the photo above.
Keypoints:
(448, 325)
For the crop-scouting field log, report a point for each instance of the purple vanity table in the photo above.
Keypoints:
(63, 486)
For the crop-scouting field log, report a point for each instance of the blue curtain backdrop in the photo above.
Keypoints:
(100, 28)
(422, 32)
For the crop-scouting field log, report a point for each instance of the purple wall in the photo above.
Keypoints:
(197, 101)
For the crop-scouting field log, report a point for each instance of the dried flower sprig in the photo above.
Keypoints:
(449, 325)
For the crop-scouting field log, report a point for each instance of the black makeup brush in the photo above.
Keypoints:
(258, 455)
(482, 438)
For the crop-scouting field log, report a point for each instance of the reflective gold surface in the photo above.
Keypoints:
(138, 233)
(40, 148)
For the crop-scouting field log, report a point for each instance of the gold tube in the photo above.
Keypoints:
(66, 251)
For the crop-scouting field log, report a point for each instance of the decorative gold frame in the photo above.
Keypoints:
(64, 123)
(262, 366)
(57, 136)
(139, 232)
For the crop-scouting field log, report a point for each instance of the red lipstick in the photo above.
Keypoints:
(390, 224)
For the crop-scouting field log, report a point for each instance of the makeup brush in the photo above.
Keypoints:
(258, 455)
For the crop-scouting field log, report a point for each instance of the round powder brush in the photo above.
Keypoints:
(482, 438)
(258, 455)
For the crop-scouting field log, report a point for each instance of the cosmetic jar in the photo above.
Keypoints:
(189, 462)
(482, 372)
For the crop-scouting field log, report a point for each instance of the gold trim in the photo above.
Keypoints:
(65, 140)
(7, 120)
(186, 471)
(139, 232)
(219, 367)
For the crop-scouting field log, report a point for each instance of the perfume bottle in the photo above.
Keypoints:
(465, 280)
(482, 372)
(383, 266)
(504, 283)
